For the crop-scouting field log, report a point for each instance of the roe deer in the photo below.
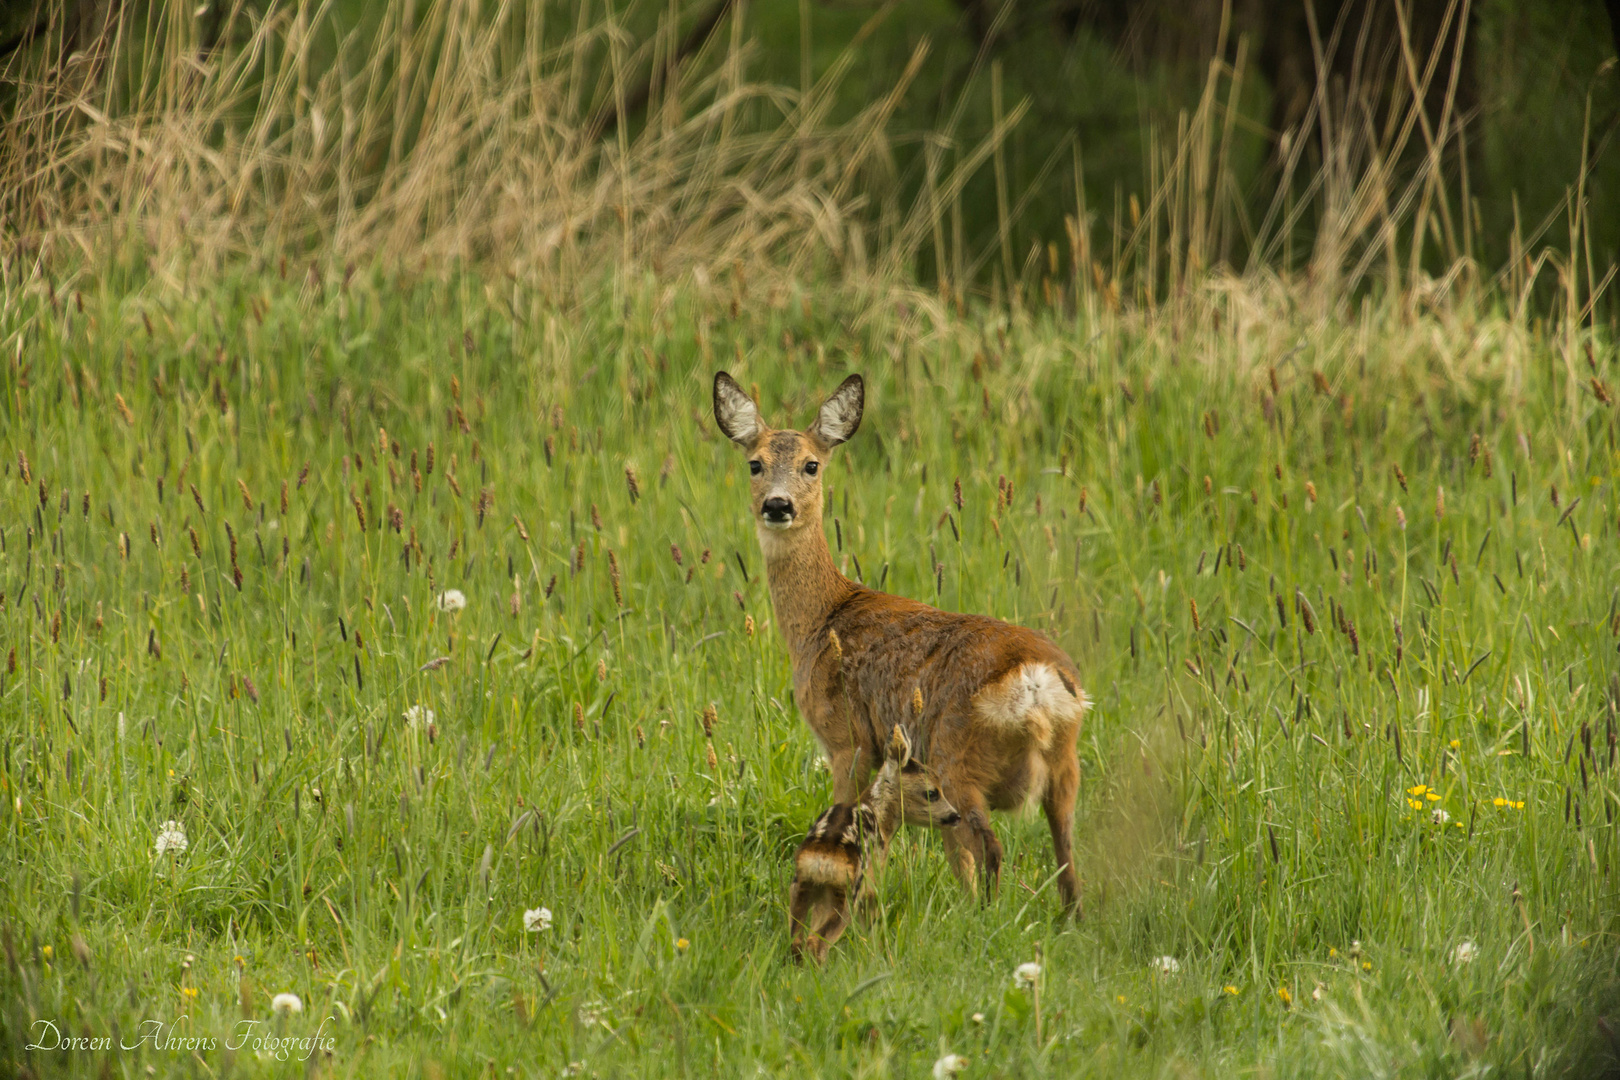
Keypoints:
(1001, 705)
(830, 866)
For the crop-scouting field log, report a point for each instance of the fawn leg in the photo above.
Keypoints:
(798, 925)
(833, 926)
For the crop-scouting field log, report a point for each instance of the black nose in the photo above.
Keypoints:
(777, 508)
(953, 819)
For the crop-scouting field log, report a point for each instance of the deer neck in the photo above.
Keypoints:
(805, 585)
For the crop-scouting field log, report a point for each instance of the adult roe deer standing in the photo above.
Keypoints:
(1000, 704)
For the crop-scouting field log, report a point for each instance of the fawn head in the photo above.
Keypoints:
(785, 466)
(906, 789)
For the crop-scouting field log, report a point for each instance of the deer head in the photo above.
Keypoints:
(785, 466)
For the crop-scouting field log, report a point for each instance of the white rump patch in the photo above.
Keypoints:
(1031, 697)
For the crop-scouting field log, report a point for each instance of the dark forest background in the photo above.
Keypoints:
(1523, 99)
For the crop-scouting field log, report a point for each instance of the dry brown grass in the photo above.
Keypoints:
(454, 135)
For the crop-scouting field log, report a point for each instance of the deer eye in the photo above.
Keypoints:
(811, 467)
(933, 794)
(755, 467)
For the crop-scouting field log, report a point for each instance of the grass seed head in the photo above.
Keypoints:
(632, 484)
(710, 717)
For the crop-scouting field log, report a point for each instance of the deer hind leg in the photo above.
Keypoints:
(1058, 803)
(832, 926)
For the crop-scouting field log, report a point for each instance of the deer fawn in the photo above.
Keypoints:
(830, 866)
(1001, 705)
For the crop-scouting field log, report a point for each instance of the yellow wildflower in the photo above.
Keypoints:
(1419, 790)
(189, 991)
(1287, 998)
(681, 944)
(1229, 989)
(1432, 797)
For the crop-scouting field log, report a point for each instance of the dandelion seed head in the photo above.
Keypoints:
(949, 1065)
(536, 920)
(451, 600)
(1024, 975)
(286, 1003)
(172, 837)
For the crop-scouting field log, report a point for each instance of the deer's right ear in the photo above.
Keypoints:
(735, 411)
(899, 747)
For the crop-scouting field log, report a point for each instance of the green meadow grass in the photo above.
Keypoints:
(221, 580)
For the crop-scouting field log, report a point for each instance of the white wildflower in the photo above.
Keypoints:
(536, 920)
(1439, 817)
(949, 1065)
(592, 1013)
(1167, 965)
(419, 716)
(1465, 953)
(978, 1018)
(286, 1003)
(172, 837)
(1024, 975)
(452, 600)
(574, 1068)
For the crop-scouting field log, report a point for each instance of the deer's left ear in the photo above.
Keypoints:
(840, 414)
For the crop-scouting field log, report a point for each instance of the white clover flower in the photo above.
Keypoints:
(949, 1066)
(1024, 975)
(172, 837)
(419, 716)
(1439, 817)
(1167, 965)
(286, 1003)
(977, 1018)
(1465, 953)
(536, 919)
(452, 600)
